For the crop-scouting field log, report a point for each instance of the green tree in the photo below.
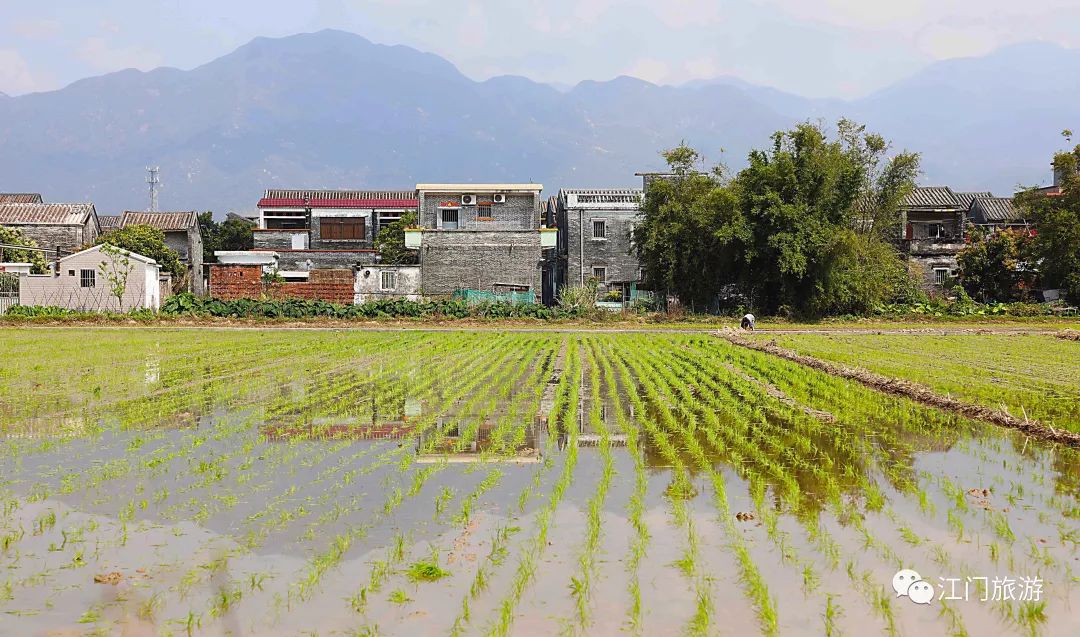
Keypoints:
(796, 199)
(1057, 220)
(15, 237)
(115, 270)
(231, 234)
(147, 241)
(998, 266)
(390, 242)
(675, 240)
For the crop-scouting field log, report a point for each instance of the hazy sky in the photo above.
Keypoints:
(814, 47)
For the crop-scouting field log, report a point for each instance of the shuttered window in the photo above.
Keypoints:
(344, 228)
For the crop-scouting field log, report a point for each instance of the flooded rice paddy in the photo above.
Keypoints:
(200, 482)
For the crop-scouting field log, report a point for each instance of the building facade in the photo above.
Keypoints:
(182, 235)
(596, 230)
(81, 281)
(933, 219)
(484, 238)
(67, 226)
(320, 229)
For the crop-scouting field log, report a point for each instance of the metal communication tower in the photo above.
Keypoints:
(154, 181)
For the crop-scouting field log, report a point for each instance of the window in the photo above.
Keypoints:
(342, 228)
(600, 274)
(599, 229)
(387, 280)
(941, 275)
(483, 211)
(87, 279)
(936, 231)
(71, 272)
(449, 218)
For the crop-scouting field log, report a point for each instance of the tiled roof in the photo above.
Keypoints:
(52, 214)
(965, 198)
(20, 197)
(109, 222)
(987, 210)
(339, 199)
(167, 221)
(931, 197)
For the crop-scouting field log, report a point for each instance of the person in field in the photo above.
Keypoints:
(748, 322)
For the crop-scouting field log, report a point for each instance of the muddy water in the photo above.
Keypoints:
(219, 518)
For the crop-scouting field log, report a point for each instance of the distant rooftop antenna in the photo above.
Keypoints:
(154, 180)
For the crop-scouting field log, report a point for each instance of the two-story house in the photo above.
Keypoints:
(596, 230)
(326, 229)
(932, 227)
(483, 239)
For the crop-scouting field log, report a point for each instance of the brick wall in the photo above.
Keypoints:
(520, 212)
(453, 259)
(69, 238)
(230, 282)
(614, 253)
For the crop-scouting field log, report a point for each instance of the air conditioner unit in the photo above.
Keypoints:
(468, 200)
(499, 198)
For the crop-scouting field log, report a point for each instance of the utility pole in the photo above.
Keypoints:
(154, 180)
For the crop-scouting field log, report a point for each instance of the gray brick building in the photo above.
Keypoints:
(595, 239)
(483, 237)
(69, 226)
(933, 220)
(326, 229)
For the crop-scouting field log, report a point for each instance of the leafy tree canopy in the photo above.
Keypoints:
(390, 242)
(14, 236)
(1058, 221)
(231, 234)
(999, 266)
(147, 241)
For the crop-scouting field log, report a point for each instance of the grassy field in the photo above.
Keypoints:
(290, 482)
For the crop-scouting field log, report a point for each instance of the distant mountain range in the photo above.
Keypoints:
(334, 110)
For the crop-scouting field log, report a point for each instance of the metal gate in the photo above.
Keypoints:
(9, 291)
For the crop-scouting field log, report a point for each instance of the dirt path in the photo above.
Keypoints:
(908, 389)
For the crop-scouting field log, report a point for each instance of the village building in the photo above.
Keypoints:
(933, 219)
(596, 230)
(996, 213)
(66, 226)
(85, 281)
(381, 281)
(326, 229)
(483, 241)
(182, 235)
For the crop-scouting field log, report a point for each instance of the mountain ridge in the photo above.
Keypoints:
(332, 109)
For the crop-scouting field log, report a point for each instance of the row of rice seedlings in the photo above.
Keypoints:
(566, 408)
(636, 506)
(318, 565)
(629, 361)
(499, 550)
(383, 570)
(581, 585)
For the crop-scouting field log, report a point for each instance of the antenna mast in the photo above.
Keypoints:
(153, 179)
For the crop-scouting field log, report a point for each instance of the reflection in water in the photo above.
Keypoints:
(478, 444)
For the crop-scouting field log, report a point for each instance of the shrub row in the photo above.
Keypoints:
(187, 303)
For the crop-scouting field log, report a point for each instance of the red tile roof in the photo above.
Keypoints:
(267, 202)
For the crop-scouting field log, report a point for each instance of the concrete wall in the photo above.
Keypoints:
(230, 282)
(308, 260)
(520, 212)
(480, 260)
(368, 283)
(65, 290)
(277, 239)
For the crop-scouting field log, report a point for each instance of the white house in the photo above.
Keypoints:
(84, 281)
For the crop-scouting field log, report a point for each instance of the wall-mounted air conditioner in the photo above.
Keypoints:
(468, 200)
(499, 198)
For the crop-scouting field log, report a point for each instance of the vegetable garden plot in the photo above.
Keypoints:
(486, 483)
